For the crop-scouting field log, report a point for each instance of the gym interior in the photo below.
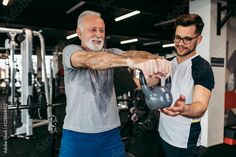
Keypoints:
(34, 33)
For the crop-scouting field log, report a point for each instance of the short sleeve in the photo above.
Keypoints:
(67, 52)
(202, 73)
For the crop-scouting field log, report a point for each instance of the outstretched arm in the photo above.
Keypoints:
(97, 60)
(105, 60)
(196, 109)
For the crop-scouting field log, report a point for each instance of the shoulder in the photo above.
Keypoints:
(202, 72)
(200, 65)
(198, 60)
(67, 53)
(72, 47)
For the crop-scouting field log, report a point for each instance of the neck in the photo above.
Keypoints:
(85, 48)
(183, 58)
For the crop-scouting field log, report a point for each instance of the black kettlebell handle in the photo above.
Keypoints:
(142, 79)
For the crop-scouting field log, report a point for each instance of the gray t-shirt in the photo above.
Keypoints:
(91, 101)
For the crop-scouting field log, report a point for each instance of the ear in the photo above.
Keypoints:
(78, 32)
(199, 39)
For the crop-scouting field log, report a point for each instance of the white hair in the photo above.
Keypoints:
(83, 14)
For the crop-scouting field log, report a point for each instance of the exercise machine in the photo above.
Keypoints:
(23, 106)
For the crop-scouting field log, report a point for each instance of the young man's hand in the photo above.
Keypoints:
(177, 108)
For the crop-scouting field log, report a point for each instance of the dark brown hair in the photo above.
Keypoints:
(190, 19)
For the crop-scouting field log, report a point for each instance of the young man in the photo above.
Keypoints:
(192, 81)
(91, 123)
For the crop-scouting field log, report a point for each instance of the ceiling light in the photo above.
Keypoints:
(71, 36)
(75, 7)
(151, 43)
(5, 2)
(129, 41)
(127, 15)
(164, 22)
(168, 45)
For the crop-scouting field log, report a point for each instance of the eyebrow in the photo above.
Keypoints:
(184, 36)
(96, 27)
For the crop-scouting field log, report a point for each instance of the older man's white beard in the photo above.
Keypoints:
(93, 47)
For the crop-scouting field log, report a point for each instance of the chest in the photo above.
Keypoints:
(181, 78)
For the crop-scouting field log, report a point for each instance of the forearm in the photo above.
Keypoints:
(141, 54)
(102, 60)
(201, 98)
(194, 110)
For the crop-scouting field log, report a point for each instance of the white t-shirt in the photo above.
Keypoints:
(180, 131)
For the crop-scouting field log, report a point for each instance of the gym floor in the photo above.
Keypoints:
(145, 144)
(44, 145)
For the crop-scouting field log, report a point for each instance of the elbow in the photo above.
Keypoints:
(202, 113)
(200, 110)
(203, 110)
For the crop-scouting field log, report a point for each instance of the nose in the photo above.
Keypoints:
(99, 34)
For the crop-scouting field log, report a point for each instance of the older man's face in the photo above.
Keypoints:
(93, 33)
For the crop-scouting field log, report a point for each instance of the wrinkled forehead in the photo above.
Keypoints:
(93, 21)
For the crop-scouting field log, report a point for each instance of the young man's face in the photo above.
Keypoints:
(92, 34)
(186, 40)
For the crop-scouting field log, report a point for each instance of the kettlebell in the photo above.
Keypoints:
(157, 97)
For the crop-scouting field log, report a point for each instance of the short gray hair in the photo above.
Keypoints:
(83, 14)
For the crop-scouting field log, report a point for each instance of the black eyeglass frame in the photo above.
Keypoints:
(185, 40)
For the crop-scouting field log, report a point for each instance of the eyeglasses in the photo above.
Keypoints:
(186, 40)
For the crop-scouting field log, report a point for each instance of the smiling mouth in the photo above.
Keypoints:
(181, 48)
(98, 42)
